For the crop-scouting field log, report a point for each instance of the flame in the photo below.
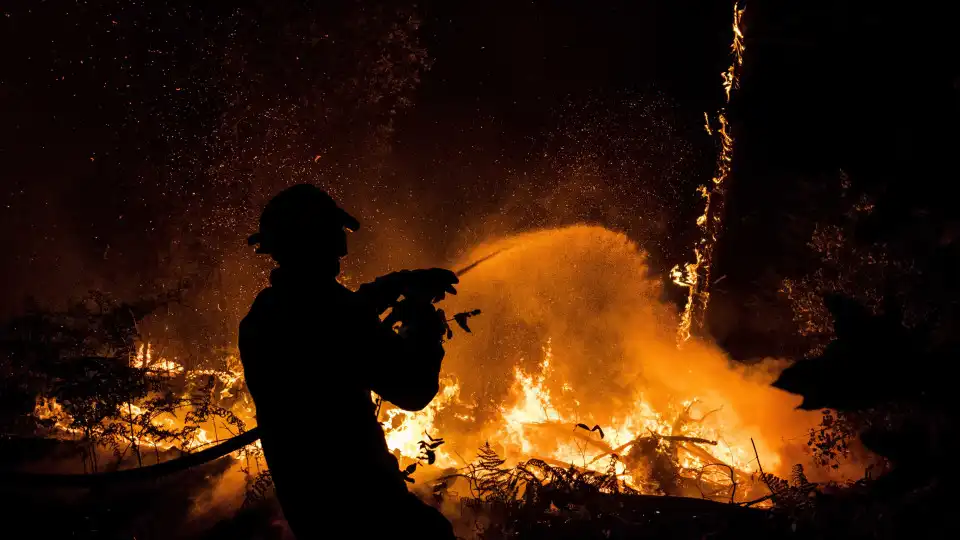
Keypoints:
(144, 360)
(403, 431)
(571, 333)
(207, 433)
(49, 409)
(533, 408)
(533, 404)
(710, 222)
(607, 357)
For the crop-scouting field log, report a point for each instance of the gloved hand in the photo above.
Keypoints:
(432, 283)
(429, 285)
(419, 320)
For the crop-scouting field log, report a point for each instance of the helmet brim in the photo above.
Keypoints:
(344, 219)
(349, 222)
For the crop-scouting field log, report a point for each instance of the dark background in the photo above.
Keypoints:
(140, 138)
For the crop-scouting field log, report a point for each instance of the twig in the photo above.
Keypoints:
(733, 481)
(122, 454)
(226, 427)
(704, 417)
(133, 440)
(762, 474)
(757, 501)
(707, 457)
(757, 455)
(681, 438)
(583, 454)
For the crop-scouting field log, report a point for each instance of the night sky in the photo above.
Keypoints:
(140, 139)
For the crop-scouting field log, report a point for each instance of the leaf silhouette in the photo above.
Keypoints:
(588, 428)
(461, 319)
(431, 457)
(410, 469)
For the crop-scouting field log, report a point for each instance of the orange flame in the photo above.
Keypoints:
(571, 333)
(204, 435)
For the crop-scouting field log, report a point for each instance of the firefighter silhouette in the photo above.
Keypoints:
(312, 351)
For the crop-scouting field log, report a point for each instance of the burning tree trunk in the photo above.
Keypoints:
(696, 275)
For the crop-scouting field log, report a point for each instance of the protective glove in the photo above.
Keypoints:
(430, 285)
(420, 321)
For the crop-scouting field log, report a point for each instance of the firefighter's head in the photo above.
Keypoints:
(302, 225)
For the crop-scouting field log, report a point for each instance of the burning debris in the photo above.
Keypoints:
(537, 499)
(606, 397)
(181, 411)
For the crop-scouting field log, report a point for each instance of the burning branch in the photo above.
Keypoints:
(696, 275)
(733, 480)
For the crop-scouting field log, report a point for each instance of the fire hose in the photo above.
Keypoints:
(159, 470)
(132, 475)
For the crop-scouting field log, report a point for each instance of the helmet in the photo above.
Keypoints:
(297, 212)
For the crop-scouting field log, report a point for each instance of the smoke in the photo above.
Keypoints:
(587, 292)
(586, 295)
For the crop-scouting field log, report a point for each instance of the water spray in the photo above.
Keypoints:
(478, 262)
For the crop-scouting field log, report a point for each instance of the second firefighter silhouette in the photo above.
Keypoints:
(312, 350)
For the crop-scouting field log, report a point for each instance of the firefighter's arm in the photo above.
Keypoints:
(406, 367)
(384, 291)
